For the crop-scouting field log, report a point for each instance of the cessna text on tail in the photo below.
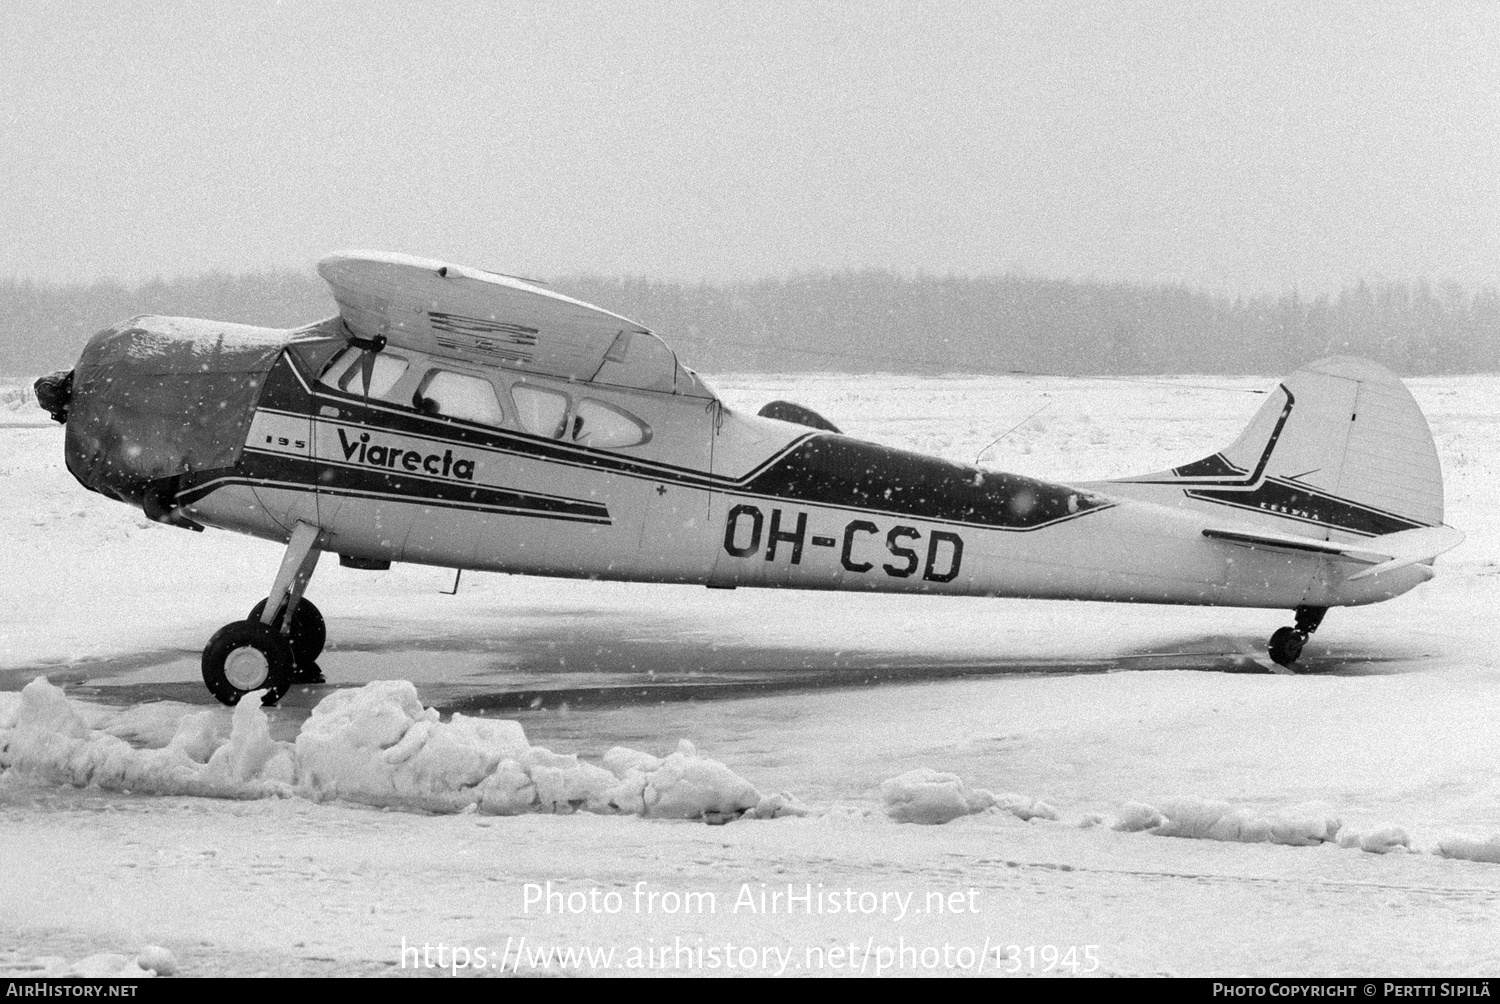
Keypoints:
(459, 418)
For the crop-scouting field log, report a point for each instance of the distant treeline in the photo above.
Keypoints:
(43, 326)
(878, 321)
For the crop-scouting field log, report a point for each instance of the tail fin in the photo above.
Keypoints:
(1340, 447)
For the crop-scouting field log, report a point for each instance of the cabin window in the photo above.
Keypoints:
(348, 373)
(457, 395)
(602, 425)
(542, 412)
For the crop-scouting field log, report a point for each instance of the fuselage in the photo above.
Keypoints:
(440, 461)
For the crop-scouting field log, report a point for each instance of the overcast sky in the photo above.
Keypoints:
(1238, 146)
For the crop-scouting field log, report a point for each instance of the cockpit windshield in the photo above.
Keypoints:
(348, 373)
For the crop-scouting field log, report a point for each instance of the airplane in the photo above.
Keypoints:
(461, 418)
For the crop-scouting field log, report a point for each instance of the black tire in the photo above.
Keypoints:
(309, 632)
(1286, 645)
(244, 657)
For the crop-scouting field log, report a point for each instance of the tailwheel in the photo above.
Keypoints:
(307, 636)
(244, 657)
(1286, 644)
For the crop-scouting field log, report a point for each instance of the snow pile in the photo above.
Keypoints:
(375, 745)
(378, 745)
(10, 707)
(1299, 826)
(781, 804)
(1137, 816)
(1471, 849)
(1024, 808)
(159, 960)
(931, 797)
(44, 736)
(156, 723)
(152, 961)
(1381, 840)
(680, 786)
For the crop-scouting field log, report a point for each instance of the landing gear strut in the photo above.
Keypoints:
(279, 643)
(1286, 644)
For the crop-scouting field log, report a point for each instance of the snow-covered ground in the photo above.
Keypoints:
(1059, 740)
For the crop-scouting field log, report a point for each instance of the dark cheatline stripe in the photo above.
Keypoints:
(1216, 466)
(836, 471)
(1294, 502)
(263, 468)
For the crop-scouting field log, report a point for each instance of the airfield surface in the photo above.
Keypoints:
(1095, 711)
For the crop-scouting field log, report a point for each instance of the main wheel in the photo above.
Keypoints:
(244, 657)
(1286, 645)
(309, 633)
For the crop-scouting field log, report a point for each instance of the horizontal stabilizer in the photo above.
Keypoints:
(1385, 553)
(1412, 546)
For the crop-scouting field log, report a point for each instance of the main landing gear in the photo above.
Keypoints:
(1286, 644)
(270, 651)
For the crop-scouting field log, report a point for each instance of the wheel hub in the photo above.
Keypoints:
(246, 668)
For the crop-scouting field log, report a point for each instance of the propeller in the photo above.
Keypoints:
(54, 392)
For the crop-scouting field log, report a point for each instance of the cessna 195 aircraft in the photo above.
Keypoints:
(465, 419)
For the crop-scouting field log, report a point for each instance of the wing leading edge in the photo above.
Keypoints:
(495, 320)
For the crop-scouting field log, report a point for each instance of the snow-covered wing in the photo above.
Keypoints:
(465, 313)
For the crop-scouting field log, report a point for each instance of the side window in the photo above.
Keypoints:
(542, 412)
(457, 395)
(599, 424)
(348, 373)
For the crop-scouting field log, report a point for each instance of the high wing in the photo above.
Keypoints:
(1386, 553)
(494, 320)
